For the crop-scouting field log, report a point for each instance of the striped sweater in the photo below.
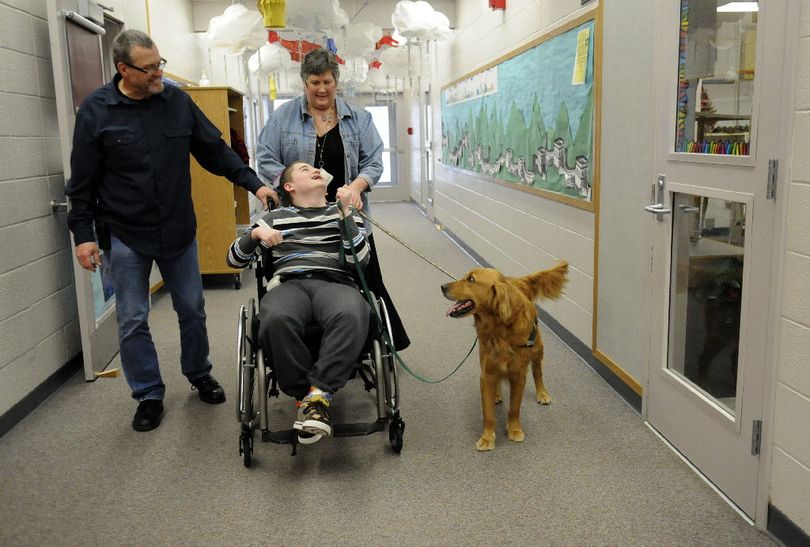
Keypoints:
(311, 242)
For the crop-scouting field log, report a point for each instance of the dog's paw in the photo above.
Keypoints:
(485, 443)
(516, 435)
(543, 398)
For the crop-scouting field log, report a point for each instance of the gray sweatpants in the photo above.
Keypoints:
(284, 313)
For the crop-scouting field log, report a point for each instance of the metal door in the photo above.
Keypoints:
(712, 217)
(78, 67)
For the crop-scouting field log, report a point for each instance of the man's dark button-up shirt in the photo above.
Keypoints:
(130, 168)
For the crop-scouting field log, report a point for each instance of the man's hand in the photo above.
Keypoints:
(268, 237)
(88, 255)
(266, 195)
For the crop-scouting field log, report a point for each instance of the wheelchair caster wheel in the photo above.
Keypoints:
(246, 449)
(395, 431)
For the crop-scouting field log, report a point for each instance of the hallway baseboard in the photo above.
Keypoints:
(784, 529)
(27, 404)
(578, 347)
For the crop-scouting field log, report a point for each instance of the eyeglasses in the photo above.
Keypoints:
(151, 69)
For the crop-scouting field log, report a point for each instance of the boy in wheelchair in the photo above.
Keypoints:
(313, 263)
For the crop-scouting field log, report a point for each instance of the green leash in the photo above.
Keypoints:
(367, 294)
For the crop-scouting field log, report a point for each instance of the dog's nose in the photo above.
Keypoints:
(444, 288)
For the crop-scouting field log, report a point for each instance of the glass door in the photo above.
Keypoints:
(712, 219)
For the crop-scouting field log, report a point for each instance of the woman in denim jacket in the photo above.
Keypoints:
(340, 139)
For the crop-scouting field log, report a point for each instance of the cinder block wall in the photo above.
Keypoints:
(790, 467)
(39, 328)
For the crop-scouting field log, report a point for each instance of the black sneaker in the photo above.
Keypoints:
(313, 416)
(210, 390)
(147, 417)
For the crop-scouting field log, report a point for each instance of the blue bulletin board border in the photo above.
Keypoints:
(530, 119)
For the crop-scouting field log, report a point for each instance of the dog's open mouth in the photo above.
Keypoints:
(461, 308)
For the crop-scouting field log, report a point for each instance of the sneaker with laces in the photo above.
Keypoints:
(209, 389)
(313, 417)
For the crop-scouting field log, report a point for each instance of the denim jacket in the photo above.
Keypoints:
(289, 136)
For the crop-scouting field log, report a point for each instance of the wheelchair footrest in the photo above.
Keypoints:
(285, 436)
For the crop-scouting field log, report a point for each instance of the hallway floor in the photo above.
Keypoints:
(590, 472)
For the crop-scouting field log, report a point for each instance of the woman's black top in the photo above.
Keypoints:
(329, 150)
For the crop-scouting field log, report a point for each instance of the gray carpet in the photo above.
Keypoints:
(589, 473)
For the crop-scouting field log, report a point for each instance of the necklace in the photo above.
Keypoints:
(327, 117)
(320, 143)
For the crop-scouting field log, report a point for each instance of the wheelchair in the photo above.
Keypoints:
(257, 383)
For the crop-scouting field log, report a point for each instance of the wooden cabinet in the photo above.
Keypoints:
(219, 205)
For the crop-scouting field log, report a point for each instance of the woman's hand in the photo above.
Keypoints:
(268, 237)
(356, 188)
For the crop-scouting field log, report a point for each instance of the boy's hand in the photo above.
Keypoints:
(346, 198)
(268, 237)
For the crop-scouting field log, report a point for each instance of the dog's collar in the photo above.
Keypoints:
(532, 337)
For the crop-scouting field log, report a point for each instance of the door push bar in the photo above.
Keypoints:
(657, 199)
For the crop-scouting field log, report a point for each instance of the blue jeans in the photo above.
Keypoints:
(181, 274)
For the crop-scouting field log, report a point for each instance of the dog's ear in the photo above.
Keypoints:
(506, 301)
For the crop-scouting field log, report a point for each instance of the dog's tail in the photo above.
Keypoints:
(547, 283)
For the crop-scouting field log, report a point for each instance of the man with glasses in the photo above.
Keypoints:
(130, 194)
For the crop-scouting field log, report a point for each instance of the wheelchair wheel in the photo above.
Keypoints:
(246, 445)
(246, 365)
(389, 376)
(395, 433)
(379, 372)
(241, 359)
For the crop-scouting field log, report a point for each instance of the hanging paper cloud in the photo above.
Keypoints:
(361, 40)
(236, 29)
(316, 15)
(273, 58)
(420, 20)
(395, 62)
(376, 79)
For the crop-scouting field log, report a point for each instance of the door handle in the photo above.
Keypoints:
(658, 210)
(57, 206)
(689, 209)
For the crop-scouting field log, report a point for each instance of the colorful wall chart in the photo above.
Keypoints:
(528, 119)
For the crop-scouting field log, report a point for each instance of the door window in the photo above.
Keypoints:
(708, 254)
(717, 53)
(382, 115)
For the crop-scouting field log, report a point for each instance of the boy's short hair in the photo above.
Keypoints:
(286, 176)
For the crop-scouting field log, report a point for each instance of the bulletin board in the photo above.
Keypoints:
(530, 119)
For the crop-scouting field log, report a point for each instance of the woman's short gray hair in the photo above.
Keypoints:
(123, 43)
(317, 62)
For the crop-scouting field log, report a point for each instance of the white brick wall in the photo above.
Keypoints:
(790, 470)
(38, 321)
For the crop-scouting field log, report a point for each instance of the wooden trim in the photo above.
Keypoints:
(618, 371)
(148, 19)
(597, 161)
(154, 288)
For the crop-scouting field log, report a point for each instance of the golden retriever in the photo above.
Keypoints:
(509, 336)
